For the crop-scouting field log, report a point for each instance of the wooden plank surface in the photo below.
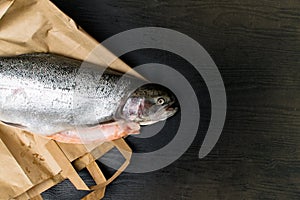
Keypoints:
(256, 45)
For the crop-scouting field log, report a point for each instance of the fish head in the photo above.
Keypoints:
(149, 104)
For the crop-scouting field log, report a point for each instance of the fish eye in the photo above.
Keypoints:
(160, 101)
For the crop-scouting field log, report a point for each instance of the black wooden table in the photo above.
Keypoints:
(256, 46)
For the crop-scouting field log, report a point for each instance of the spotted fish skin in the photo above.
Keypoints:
(49, 93)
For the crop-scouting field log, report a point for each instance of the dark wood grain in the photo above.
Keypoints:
(256, 45)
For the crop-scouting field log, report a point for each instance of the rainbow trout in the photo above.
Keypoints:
(51, 94)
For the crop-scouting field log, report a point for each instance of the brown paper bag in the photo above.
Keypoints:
(32, 163)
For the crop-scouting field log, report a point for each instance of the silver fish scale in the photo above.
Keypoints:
(49, 93)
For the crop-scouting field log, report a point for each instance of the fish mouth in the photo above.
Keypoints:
(170, 111)
(163, 114)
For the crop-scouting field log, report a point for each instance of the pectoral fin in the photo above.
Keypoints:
(14, 125)
(98, 133)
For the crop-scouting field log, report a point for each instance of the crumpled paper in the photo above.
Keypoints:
(32, 163)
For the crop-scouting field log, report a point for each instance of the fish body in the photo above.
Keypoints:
(48, 93)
